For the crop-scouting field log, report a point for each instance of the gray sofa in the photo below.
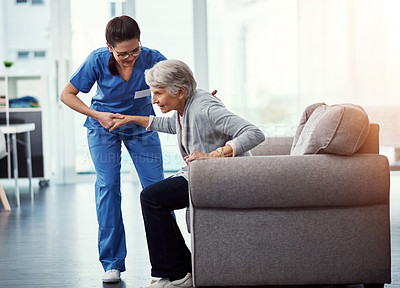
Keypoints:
(276, 219)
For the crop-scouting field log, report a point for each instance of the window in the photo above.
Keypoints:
(253, 60)
(39, 54)
(23, 54)
(271, 59)
(174, 39)
(113, 9)
(33, 2)
(117, 8)
(267, 59)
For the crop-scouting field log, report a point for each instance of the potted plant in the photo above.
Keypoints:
(8, 64)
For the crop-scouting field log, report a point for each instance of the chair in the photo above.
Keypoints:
(3, 153)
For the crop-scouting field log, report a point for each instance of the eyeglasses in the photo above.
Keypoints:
(125, 55)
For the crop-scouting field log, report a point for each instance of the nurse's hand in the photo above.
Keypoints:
(106, 119)
(118, 122)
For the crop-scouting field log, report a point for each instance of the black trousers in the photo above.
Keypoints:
(169, 255)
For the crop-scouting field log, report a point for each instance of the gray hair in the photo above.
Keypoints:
(171, 75)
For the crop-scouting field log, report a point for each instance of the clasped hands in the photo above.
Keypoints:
(114, 121)
(106, 119)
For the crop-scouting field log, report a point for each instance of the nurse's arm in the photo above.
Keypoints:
(69, 97)
(139, 120)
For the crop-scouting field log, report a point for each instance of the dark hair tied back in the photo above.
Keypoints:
(120, 29)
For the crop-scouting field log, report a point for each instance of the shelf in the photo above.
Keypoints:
(28, 109)
(17, 86)
(20, 77)
(14, 86)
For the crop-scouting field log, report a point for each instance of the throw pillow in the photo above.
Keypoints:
(336, 129)
(303, 120)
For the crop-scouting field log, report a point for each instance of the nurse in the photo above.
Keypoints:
(118, 70)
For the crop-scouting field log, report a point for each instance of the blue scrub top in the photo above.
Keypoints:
(113, 93)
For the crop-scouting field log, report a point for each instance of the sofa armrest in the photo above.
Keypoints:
(290, 181)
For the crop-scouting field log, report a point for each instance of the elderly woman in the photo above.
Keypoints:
(205, 129)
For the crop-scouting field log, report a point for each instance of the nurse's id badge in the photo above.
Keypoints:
(142, 93)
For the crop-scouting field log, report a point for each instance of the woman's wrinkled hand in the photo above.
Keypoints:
(118, 121)
(194, 155)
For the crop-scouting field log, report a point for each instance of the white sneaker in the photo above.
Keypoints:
(112, 276)
(185, 282)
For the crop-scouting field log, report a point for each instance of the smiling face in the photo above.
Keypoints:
(121, 49)
(168, 102)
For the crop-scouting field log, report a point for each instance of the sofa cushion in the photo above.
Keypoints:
(333, 129)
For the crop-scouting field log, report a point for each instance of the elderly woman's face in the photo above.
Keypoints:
(165, 101)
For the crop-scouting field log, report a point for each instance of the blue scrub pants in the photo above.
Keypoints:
(105, 150)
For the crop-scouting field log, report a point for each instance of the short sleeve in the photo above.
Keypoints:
(157, 57)
(86, 75)
(152, 57)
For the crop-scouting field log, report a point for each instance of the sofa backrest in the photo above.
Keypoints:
(273, 146)
(283, 145)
